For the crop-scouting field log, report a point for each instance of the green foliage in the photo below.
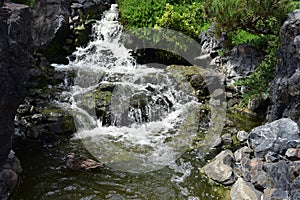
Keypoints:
(258, 41)
(294, 5)
(137, 14)
(185, 16)
(188, 19)
(26, 2)
(258, 17)
(257, 83)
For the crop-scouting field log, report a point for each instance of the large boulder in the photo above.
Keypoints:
(285, 88)
(61, 25)
(220, 169)
(15, 61)
(244, 190)
(276, 137)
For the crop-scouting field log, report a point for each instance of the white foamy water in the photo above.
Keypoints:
(149, 115)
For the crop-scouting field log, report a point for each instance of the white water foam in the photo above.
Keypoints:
(142, 137)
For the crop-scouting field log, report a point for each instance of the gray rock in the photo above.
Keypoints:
(284, 174)
(242, 136)
(242, 190)
(293, 153)
(253, 172)
(241, 62)
(295, 194)
(242, 153)
(275, 194)
(220, 169)
(276, 137)
(48, 17)
(226, 138)
(285, 89)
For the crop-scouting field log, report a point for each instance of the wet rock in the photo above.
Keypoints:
(244, 190)
(61, 25)
(15, 61)
(220, 169)
(276, 137)
(285, 90)
(9, 173)
(46, 124)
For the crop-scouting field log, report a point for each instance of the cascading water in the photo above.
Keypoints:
(133, 117)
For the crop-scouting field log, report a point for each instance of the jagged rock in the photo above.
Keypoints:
(240, 62)
(285, 90)
(242, 153)
(15, 60)
(209, 43)
(293, 153)
(275, 194)
(243, 190)
(283, 174)
(253, 172)
(276, 137)
(55, 25)
(220, 169)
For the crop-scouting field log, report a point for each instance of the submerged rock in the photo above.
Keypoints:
(81, 163)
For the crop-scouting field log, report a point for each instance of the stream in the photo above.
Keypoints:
(139, 120)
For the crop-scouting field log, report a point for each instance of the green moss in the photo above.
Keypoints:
(242, 120)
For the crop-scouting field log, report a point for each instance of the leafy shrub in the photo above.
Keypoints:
(184, 16)
(187, 19)
(258, 82)
(258, 41)
(137, 14)
(258, 17)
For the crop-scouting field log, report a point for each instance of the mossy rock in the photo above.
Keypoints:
(194, 76)
(58, 121)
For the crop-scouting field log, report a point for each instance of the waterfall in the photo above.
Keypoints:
(133, 117)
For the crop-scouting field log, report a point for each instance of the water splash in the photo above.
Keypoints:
(133, 117)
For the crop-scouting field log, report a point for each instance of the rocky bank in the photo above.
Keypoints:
(285, 89)
(15, 61)
(31, 39)
(268, 165)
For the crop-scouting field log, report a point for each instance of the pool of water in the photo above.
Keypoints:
(46, 176)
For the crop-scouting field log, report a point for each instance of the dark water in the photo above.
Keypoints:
(45, 176)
